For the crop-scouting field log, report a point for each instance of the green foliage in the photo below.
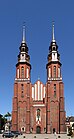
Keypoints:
(7, 115)
(3, 120)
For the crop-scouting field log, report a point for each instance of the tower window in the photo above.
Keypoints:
(17, 73)
(49, 72)
(22, 94)
(54, 90)
(22, 55)
(27, 73)
(22, 72)
(58, 72)
(53, 48)
(54, 71)
(22, 49)
(38, 113)
(22, 87)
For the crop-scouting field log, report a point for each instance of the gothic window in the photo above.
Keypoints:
(49, 72)
(54, 71)
(54, 90)
(38, 113)
(27, 73)
(32, 92)
(22, 72)
(17, 73)
(22, 94)
(58, 72)
(22, 89)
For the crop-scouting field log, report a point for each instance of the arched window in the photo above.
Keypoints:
(38, 113)
(22, 72)
(49, 72)
(54, 71)
(17, 73)
(58, 72)
(27, 73)
(54, 48)
(22, 87)
(22, 90)
(54, 90)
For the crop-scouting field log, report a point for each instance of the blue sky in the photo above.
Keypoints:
(38, 15)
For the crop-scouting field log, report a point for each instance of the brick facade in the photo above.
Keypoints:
(38, 108)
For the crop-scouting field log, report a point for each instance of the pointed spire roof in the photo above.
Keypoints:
(24, 34)
(53, 37)
(53, 44)
(23, 47)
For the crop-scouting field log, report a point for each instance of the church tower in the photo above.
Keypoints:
(55, 90)
(21, 99)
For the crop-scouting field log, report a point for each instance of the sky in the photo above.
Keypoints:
(38, 16)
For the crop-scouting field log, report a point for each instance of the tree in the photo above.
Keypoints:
(2, 121)
(7, 116)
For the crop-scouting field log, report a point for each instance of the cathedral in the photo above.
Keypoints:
(38, 108)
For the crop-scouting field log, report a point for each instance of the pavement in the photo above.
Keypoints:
(42, 136)
(46, 136)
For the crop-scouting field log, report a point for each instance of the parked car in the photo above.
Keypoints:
(1, 131)
(17, 132)
(9, 135)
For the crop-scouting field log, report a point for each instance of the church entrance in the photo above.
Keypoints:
(23, 129)
(53, 130)
(38, 129)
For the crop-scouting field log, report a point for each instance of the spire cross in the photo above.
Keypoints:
(53, 38)
(24, 33)
(38, 78)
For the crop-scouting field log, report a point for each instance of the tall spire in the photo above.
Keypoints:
(53, 38)
(24, 34)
